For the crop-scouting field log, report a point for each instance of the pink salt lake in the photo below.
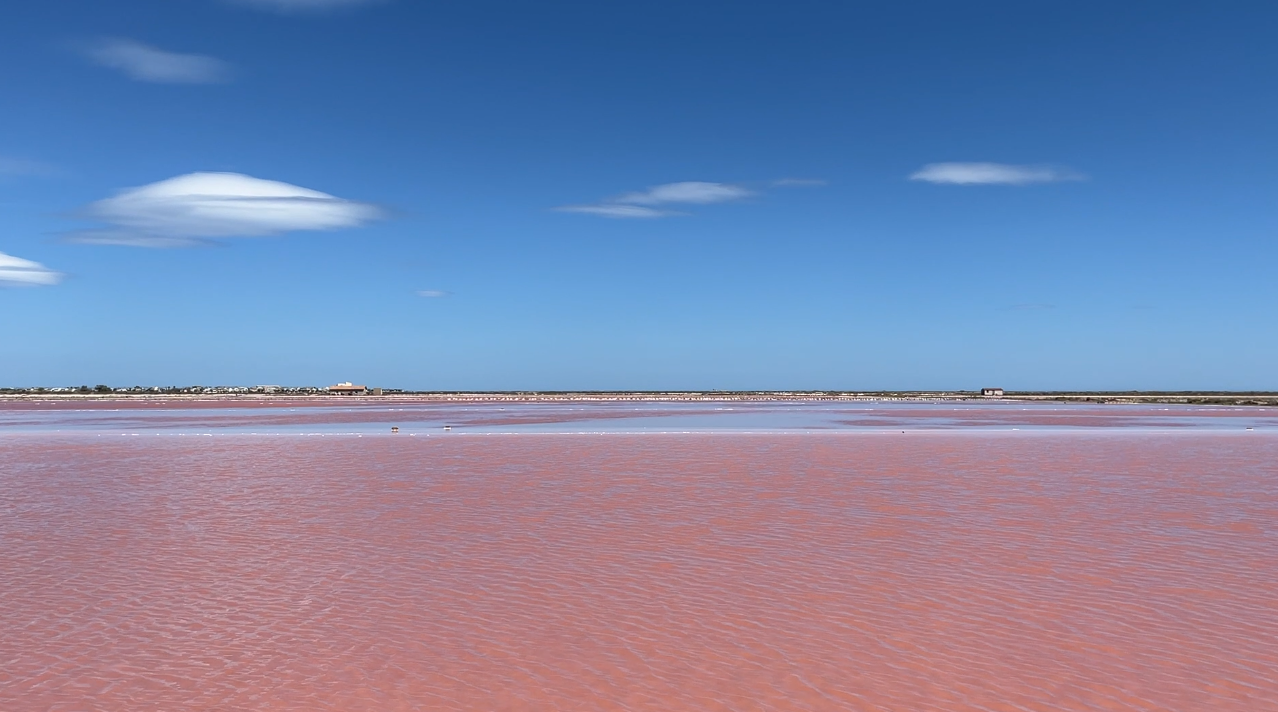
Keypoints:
(651, 557)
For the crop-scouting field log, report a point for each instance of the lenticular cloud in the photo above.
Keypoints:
(17, 272)
(993, 174)
(638, 204)
(191, 208)
(692, 191)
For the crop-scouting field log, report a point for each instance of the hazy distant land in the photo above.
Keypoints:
(312, 393)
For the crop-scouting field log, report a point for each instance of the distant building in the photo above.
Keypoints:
(996, 392)
(348, 389)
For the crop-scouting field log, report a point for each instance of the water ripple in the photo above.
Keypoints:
(649, 572)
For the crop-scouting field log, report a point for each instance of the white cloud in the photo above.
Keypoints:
(993, 174)
(433, 293)
(697, 192)
(617, 211)
(17, 272)
(636, 204)
(184, 211)
(151, 64)
(303, 5)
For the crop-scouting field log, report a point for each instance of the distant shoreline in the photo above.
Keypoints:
(1080, 397)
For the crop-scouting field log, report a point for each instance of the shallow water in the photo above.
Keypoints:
(374, 416)
(1067, 569)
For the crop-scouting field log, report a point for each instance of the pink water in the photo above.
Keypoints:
(848, 571)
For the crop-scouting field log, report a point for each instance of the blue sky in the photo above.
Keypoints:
(503, 195)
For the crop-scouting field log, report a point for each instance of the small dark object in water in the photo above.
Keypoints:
(394, 429)
(448, 427)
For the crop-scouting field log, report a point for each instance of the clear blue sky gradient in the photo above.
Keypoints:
(470, 122)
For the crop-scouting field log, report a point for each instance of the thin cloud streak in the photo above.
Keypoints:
(694, 192)
(799, 183)
(17, 272)
(433, 293)
(993, 174)
(145, 63)
(188, 210)
(639, 204)
(132, 239)
(617, 211)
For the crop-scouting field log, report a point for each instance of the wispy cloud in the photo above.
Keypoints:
(433, 293)
(693, 191)
(994, 174)
(125, 238)
(799, 183)
(152, 64)
(638, 204)
(17, 272)
(191, 209)
(612, 210)
(304, 5)
(643, 204)
(21, 167)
